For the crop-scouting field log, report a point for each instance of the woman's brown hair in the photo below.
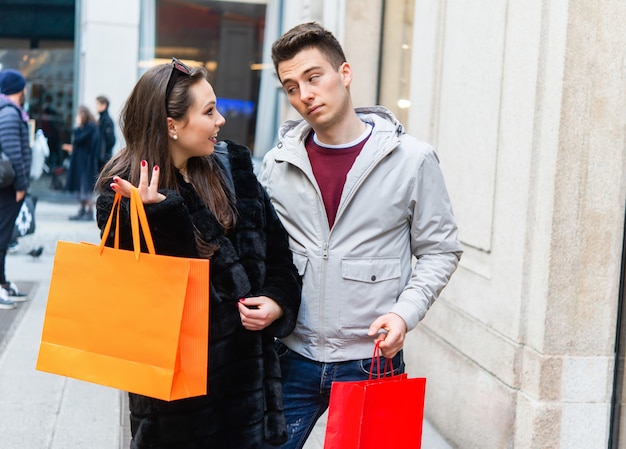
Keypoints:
(85, 115)
(144, 125)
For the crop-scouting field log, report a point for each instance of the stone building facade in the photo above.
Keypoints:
(525, 103)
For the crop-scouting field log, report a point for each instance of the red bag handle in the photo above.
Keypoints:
(376, 358)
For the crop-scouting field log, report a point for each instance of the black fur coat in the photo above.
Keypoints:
(243, 407)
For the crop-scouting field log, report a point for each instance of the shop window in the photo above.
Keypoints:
(396, 57)
(37, 38)
(49, 77)
(617, 436)
(226, 37)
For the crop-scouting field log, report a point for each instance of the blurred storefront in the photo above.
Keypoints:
(226, 37)
(74, 50)
(37, 37)
(65, 68)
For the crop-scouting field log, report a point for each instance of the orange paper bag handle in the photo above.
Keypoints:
(137, 218)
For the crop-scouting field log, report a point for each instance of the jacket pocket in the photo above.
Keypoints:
(369, 289)
(370, 270)
(300, 261)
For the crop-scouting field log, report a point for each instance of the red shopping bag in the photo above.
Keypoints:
(387, 411)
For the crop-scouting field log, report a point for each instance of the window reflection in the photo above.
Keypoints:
(396, 57)
(49, 96)
(224, 37)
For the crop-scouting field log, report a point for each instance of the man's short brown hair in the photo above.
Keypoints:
(102, 100)
(303, 36)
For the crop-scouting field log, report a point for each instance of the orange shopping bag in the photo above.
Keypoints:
(129, 320)
(370, 414)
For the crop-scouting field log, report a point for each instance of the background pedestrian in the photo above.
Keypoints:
(14, 143)
(83, 170)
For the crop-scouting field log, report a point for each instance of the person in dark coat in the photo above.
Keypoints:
(106, 129)
(203, 200)
(83, 171)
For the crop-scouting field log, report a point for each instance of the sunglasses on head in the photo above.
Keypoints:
(177, 68)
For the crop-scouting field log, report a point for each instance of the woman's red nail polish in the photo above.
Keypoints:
(143, 163)
(242, 299)
(156, 168)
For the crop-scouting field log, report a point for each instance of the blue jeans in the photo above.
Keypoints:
(306, 388)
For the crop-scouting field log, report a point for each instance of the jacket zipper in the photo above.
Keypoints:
(321, 333)
(360, 181)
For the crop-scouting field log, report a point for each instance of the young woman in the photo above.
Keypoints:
(203, 200)
(83, 170)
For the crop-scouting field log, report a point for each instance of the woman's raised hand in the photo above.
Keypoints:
(148, 186)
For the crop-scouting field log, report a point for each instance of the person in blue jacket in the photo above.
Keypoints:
(14, 143)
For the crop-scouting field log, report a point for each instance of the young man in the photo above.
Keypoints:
(14, 143)
(360, 199)
(106, 129)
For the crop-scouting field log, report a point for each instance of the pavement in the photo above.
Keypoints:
(45, 411)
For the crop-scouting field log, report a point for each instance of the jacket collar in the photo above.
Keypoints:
(384, 138)
(6, 101)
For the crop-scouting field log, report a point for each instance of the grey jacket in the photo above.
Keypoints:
(394, 207)
(14, 141)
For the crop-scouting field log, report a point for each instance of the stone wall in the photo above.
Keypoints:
(525, 103)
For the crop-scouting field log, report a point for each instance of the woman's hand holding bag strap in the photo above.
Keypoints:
(137, 217)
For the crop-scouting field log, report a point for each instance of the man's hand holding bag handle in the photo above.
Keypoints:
(386, 411)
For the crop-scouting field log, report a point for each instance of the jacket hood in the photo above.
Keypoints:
(4, 100)
(379, 115)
